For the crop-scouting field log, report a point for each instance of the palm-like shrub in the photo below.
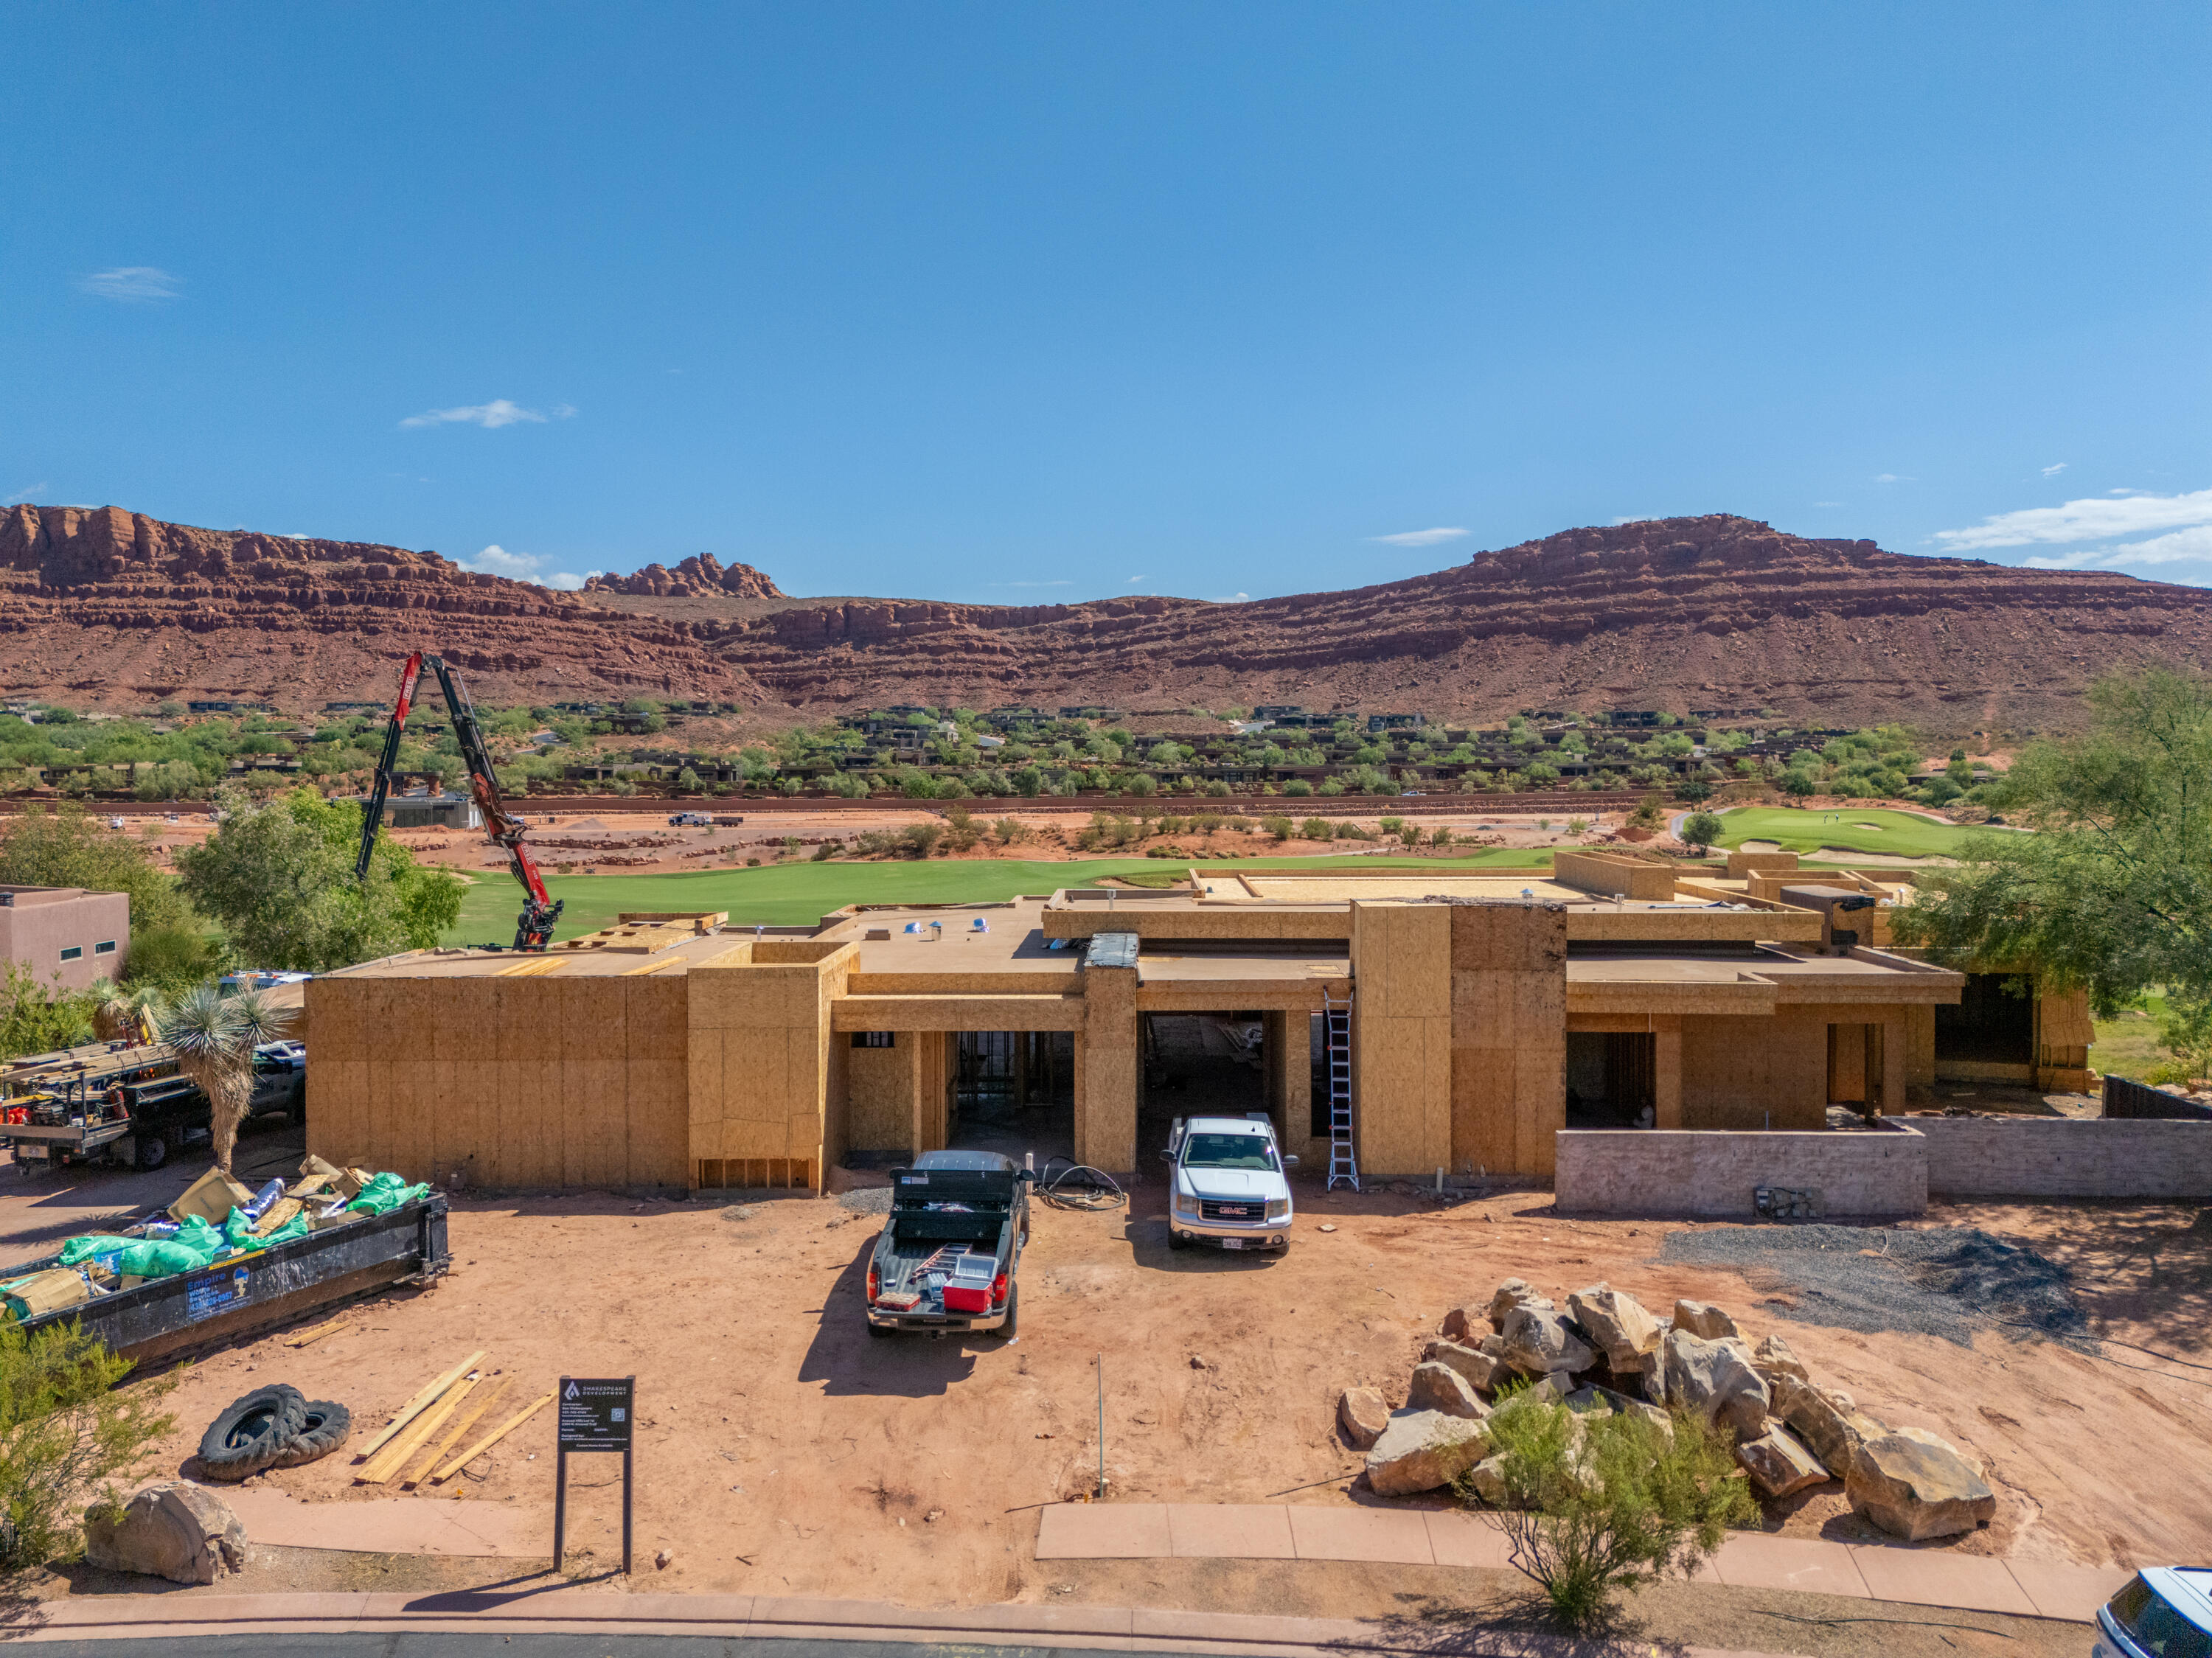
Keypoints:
(212, 1036)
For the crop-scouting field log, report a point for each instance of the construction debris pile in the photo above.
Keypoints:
(218, 1221)
(1605, 1352)
(410, 1451)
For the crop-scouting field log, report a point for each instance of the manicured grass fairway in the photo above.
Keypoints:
(793, 894)
(1868, 830)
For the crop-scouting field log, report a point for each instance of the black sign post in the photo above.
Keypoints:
(597, 1414)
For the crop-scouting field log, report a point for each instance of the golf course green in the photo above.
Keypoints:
(1902, 834)
(789, 894)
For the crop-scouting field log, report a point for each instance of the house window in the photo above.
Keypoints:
(74, 953)
(874, 1039)
(104, 947)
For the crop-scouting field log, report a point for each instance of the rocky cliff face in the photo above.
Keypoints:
(704, 574)
(1681, 613)
(100, 604)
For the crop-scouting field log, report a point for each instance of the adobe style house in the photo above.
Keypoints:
(1483, 1013)
(67, 937)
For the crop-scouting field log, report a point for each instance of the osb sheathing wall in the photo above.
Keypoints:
(537, 1082)
(1609, 873)
(769, 1078)
(1401, 1038)
(1508, 1036)
(1107, 1067)
(899, 1099)
(1774, 1073)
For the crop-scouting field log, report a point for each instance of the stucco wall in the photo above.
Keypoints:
(2067, 1157)
(41, 923)
(1653, 1172)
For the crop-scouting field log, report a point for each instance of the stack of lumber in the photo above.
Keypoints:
(419, 1442)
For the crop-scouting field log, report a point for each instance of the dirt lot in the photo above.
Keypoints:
(784, 1451)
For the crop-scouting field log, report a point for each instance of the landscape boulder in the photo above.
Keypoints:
(1589, 1400)
(1825, 1418)
(1704, 1320)
(176, 1530)
(1620, 1325)
(1538, 1342)
(1778, 1463)
(1363, 1413)
(1420, 1450)
(1714, 1380)
(1481, 1370)
(1437, 1386)
(1467, 1323)
(1488, 1478)
(1915, 1485)
(1773, 1357)
(1514, 1292)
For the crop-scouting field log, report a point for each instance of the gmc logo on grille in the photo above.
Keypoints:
(1234, 1210)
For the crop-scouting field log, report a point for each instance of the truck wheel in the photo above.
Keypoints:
(1177, 1239)
(153, 1152)
(251, 1432)
(322, 1430)
(1010, 1328)
(876, 1329)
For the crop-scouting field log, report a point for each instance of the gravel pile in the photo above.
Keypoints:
(1949, 1283)
(867, 1200)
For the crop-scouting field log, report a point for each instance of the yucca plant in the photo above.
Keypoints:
(212, 1036)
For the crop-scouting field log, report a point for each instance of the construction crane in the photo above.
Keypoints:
(533, 928)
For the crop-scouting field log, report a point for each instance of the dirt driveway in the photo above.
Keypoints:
(782, 1450)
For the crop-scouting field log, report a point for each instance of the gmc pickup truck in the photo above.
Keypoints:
(946, 1258)
(1229, 1184)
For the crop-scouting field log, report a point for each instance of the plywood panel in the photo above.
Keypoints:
(658, 1135)
(337, 1109)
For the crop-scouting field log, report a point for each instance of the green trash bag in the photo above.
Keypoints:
(239, 1231)
(386, 1193)
(187, 1252)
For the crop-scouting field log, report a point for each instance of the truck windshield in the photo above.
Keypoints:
(1228, 1151)
(2155, 1626)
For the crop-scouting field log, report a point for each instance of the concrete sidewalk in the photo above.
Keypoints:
(398, 1525)
(1923, 1577)
(490, 1613)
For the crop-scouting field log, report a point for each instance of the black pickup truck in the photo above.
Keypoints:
(946, 1258)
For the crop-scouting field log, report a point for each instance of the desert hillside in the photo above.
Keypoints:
(110, 607)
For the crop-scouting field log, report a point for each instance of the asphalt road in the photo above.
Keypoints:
(522, 1645)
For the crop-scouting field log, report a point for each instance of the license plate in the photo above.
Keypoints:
(1232, 1243)
(31, 1153)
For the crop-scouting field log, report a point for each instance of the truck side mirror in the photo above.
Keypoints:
(1290, 1162)
(1167, 1157)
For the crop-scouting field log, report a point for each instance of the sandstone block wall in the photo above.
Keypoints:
(1653, 1172)
(2067, 1158)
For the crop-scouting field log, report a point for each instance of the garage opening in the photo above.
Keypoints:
(1990, 1026)
(1199, 1065)
(1612, 1079)
(1014, 1092)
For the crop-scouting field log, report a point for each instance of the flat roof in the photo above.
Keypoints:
(579, 964)
(1012, 939)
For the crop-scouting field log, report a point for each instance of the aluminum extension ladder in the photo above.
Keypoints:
(1336, 1038)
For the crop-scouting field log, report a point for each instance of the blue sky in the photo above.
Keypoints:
(1031, 303)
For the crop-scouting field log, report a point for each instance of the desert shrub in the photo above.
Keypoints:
(825, 852)
(1316, 828)
(1577, 826)
(1440, 836)
(1409, 834)
(1390, 826)
(1009, 830)
(35, 1019)
(1206, 822)
(1646, 814)
(1597, 1504)
(1281, 828)
(920, 839)
(1297, 785)
(66, 1434)
(1347, 830)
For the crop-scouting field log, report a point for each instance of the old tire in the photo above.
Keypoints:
(324, 1429)
(152, 1151)
(251, 1432)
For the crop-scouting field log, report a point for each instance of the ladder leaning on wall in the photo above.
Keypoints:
(1336, 1038)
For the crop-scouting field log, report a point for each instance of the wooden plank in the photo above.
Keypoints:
(316, 1333)
(462, 1424)
(421, 1401)
(394, 1456)
(492, 1438)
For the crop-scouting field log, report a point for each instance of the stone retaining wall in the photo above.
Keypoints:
(2067, 1158)
(1655, 1172)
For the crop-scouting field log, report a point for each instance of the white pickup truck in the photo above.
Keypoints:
(1230, 1185)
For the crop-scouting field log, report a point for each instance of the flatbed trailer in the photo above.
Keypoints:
(166, 1319)
(124, 1102)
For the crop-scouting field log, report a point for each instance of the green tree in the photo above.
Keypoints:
(36, 1020)
(1700, 829)
(2113, 891)
(67, 847)
(279, 876)
(67, 1432)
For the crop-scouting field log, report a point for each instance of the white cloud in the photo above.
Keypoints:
(1894, 478)
(2078, 560)
(2195, 541)
(1421, 537)
(133, 284)
(495, 560)
(1233, 599)
(496, 413)
(1827, 503)
(1134, 579)
(2091, 519)
(564, 411)
(2053, 471)
(23, 494)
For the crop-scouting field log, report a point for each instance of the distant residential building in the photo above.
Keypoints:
(65, 934)
(1277, 710)
(1395, 722)
(455, 811)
